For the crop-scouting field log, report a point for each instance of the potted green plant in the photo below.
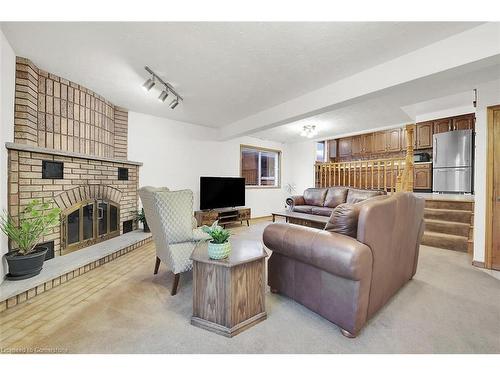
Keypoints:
(35, 221)
(141, 217)
(219, 246)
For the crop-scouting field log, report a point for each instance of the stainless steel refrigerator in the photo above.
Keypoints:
(452, 162)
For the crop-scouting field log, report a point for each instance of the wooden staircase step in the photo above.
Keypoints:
(459, 216)
(445, 241)
(449, 204)
(448, 227)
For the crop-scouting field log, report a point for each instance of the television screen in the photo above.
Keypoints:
(218, 192)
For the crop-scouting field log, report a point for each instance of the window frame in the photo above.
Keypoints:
(261, 149)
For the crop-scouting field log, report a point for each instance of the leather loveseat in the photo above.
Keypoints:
(322, 201)
(347, 278)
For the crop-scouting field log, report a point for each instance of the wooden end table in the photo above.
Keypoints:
(228, 294)
(308, 220)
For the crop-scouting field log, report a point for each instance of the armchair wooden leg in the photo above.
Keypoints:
(175, 284)
(157, 265)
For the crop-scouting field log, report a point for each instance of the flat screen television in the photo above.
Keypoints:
(218, 192)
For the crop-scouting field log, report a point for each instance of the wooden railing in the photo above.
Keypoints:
(392, 174)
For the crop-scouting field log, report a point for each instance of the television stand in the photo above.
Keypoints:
(230, 215)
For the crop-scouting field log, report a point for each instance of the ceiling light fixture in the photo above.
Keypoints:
(148, 85)
(309, 131)
(163, 96)
(174, 103)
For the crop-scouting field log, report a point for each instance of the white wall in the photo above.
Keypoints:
(488, 95)
(300, 162)
(175, 154)
(7, 87)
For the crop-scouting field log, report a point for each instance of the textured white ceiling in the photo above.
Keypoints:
(225, 71)
(399, 105)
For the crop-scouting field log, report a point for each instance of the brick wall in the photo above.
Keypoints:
(26, 183)
(56, 119)
(54, 113)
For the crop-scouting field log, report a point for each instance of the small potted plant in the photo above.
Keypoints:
(34, 222)
(219, 246)
(141, 217)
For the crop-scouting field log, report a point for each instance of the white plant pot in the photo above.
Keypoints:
(219, 250)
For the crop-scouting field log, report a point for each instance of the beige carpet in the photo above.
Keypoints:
(449, 307)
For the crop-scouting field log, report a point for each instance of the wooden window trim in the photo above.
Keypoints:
(258, 148)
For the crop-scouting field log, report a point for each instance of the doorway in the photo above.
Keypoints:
(493, 190)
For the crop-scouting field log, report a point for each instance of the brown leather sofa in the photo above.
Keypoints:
(342, 278)
(322, 201)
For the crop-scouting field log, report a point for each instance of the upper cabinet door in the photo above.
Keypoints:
(393, 140)
(443, 125)
(379, 142)
(463, 122)
(356, 145)
(424, 135)
(404, 138)
(345, 147)
(367, 143)
(332, 148)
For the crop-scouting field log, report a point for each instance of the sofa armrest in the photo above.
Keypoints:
(295, 200)
(332, 252)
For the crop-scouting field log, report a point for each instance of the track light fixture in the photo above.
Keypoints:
(163, 96)
(148, 85)
(174, 103)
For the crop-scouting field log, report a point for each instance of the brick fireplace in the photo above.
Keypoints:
(70, 148)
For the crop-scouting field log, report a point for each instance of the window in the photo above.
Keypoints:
(320, 151)
(260, 166)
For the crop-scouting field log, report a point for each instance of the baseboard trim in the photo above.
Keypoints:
(475, 263)
(262, 217)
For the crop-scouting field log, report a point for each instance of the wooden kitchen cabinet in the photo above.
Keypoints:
(332, 148)
(367, 143)
(442, 125)
(463, 122)
(345, 147)
(357, 148)
(393, 140)
(422, 176)
(379, 142)
(404, 137)
(424, 131)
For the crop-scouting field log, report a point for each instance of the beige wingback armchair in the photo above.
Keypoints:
(170, 217)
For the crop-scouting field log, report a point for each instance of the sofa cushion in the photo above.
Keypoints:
(335, 196)
(358, 195)
(344, 220)
(323, 211)
(305, 209)
(315, 197)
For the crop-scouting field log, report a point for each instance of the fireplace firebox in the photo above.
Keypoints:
(88, 222)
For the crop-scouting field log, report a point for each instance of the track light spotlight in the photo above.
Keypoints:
(174, 103)
(148, 85)
(163, 96)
